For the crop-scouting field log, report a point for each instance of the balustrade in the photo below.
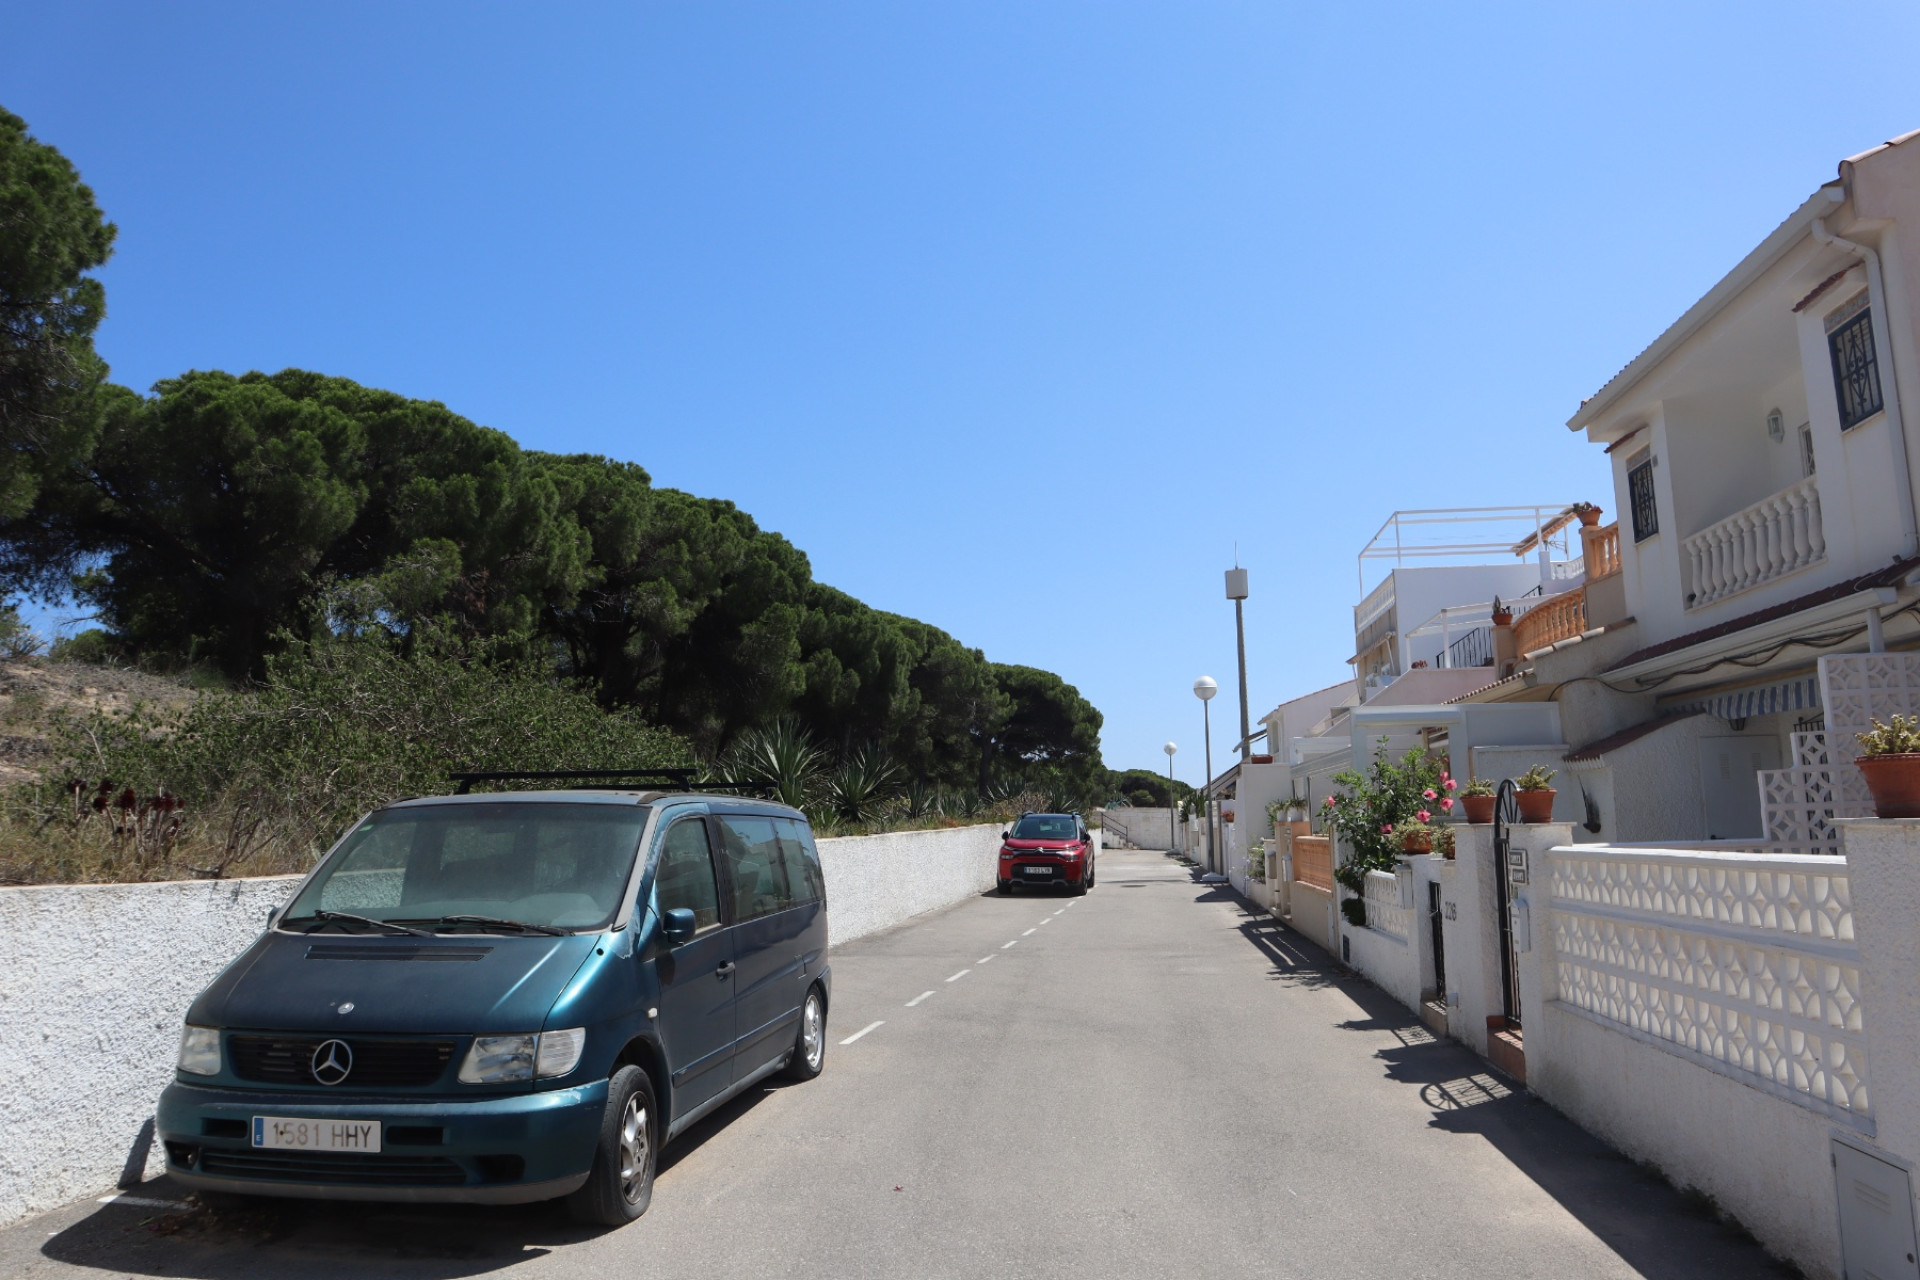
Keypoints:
(1602, 551)
(1556, 618)
(1773, 537)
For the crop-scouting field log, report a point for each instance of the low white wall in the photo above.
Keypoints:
(875, 882)
(95, 979)
(1141, 828)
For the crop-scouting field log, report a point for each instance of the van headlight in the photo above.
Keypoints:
(511, 1059)
(200, 1050)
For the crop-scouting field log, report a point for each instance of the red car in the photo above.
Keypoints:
(1051, 849)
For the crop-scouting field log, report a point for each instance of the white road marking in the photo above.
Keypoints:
(145, 1203)
(983, 959)
(917, 999)
(1029, 931)
(956, 977)
(1014, 943)
(862, 1031)
(1062, 911)
(1048, 920)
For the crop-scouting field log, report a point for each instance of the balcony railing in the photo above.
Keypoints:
(1770, 539)
(1558, 617)
(1602, 551)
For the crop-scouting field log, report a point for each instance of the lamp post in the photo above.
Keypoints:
(1170, 748)
(1237, 592)
(1204, 688)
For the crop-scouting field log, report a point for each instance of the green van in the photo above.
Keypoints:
(508, 997)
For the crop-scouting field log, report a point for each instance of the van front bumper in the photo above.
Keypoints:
(490, 1150)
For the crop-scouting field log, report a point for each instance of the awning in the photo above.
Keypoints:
(1796, 693)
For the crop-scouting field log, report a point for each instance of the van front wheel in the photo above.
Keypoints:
(620, 1185)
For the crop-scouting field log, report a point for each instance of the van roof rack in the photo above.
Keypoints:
(605, 779)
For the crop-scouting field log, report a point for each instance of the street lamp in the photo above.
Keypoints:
(1204, 688)
(1170, 748)
(1237, 592)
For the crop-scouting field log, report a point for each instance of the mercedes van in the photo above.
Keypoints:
(508, 997)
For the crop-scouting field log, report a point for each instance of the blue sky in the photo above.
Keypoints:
(1015, 317)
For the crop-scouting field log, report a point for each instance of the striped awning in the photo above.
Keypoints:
(1796, 693)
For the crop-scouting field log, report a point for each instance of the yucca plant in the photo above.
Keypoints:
(859, 789)
(783, 756)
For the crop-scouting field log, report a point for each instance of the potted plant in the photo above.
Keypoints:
(1502, 614)
(1588, 512)
(1416, 837)
(1478, 799)
(1277, 813)
(1890, 760)
(1535, 796)
(1443, 842)
(1297, 820)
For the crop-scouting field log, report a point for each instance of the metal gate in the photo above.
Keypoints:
(1439, 942)
(1506, 810)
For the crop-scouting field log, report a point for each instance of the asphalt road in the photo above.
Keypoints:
(1146, 1082)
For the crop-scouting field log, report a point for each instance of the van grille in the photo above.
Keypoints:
(337, 1170)
(377, 1064)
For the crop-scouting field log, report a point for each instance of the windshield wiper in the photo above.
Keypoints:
(347, 917)
(497, 923)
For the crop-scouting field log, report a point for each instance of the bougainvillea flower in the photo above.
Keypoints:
(1424, 814)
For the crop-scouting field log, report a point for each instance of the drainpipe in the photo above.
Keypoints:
(1889, 379)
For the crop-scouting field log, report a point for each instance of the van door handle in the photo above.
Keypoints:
(724, 971)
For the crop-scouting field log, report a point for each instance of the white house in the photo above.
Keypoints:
(1763, 463)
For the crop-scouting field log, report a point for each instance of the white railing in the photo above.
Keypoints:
(1770, 539)
(1385, 912)
(1745, 962)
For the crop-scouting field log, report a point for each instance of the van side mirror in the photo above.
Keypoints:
(677, 925)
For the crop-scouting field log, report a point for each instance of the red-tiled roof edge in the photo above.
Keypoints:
(1839, 591)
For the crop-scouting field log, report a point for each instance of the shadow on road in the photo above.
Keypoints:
(1661, 1232)
(326, 1238)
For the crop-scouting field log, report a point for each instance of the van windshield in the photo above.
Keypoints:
(548, 865)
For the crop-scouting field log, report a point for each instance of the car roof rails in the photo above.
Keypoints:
(607, 780)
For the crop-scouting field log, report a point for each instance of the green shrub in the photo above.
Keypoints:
(264, 780)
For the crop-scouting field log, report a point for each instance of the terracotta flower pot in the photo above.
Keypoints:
(1479, 808)
(1895, 783)
(1590, 517)
(1503, 619)
(1417, 842)
(1535, 806)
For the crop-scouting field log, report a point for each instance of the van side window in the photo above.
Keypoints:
(685, 875)
(803, 859)
(760, 883)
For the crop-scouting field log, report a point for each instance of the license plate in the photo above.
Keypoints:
(1039, 871)
(295, 1134)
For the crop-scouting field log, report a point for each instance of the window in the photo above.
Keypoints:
(1646, 512)
(803, 859)
(760, 883)
(1044, 826)
(1856, 369)
(556, 864)
(684, 877)
(1806, 449)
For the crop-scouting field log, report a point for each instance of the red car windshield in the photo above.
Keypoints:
(1046, 826)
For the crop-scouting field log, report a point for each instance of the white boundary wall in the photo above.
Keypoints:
(95, 979)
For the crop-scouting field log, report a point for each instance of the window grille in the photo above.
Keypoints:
(1646, 514)
(1806, 449)
(1856, 370)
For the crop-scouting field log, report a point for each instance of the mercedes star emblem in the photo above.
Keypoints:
(332, 1061)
